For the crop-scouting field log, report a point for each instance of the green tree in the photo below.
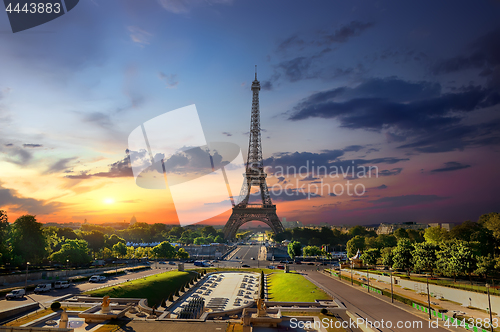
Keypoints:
(112, 240)
(294, 249)
(120, 249)
(95, 239)
(370, 256)
(401, 233)
(208, 230)
(74, 251)
(387, 256)
(424, 256)
(164, 250)
(436, 234)
(355, 244)
(485, 265)
(28, 240)
(4, 236)
(402, 255)
(200, 240)
(182, 253)
(312, 251)
(219, 239)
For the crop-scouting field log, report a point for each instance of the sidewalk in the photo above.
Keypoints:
(451, 306)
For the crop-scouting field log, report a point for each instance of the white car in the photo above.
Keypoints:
(43, 288)
(97, 279)
(61, 284)
(15, 294)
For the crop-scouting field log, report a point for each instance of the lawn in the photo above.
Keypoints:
(154, 288)
(293, 287)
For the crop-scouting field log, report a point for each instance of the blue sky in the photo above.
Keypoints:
(415, 81)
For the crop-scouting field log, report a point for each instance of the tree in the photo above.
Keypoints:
(294, 249)
(485, 265)
(465, 258)
(182, 253)
(492, 222)
(436, 235)
(312, 251)
(401, 233)
(164, 250)
(370, 256)
(74, 251)
(424, 256)
(402, 255)
(219, 239)
(95, 240)
(200, 240)
(387, 256)
(208, 230)
(112, 240)
(120, 249)
(28, 240)
(355, 244)
(4, 235)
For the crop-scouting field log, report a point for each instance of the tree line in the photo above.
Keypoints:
(27, 240)
(471, 248)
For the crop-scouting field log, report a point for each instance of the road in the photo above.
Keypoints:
(370, 307)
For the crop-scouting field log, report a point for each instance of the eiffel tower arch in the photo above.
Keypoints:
(255, 176)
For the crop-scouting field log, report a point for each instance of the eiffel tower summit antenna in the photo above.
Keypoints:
(254, 175)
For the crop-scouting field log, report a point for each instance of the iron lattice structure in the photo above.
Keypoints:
(255, 176)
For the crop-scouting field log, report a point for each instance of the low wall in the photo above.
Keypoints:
(48, 275)
(32, 329)
(18, 310)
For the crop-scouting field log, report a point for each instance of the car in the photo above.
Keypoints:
(236, 257)
(252, 258)
(15, 294)
(298, 262)
(310, 263)
(162, 263)
(281, 267)
(245, 265)
(171, 263)
(97, 279)
(42, 288)
(61, 284)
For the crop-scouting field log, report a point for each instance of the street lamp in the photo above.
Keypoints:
(489, 307)
(392, 292)
(26, 281)
(67, 268)
(368, 278)
(428, 296)
(352, 280)
(340, 270)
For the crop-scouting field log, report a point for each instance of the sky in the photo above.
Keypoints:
(407, 89)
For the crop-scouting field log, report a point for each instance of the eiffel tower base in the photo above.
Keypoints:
(241, 215)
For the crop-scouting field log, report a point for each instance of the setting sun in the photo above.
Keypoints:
(109, 201)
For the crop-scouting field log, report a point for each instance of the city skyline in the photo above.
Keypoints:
(411, 89)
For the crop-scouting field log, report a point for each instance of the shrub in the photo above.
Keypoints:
(324, 311)
(171, 297)
(55, 305)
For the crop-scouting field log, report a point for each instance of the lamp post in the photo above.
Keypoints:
(428, 296)
(489, 307)
(67, 268)
(392, 291)
(352, 280)
(340, 270)
(368, 278)
(116, 266)
(26, 281)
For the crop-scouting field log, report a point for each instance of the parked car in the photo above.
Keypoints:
(252, 258)
(42, 288)
(97, 279)
(310, 263)
(245, 265)
(281, 267)
(15, 294)
(171, 263)
(162, 262)
(61, 284)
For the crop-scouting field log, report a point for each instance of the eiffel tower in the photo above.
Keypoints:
(254, 176)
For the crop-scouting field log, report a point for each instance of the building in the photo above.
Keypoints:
(133, 220)
(386, 228)
(291, 224)
(447, 226)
